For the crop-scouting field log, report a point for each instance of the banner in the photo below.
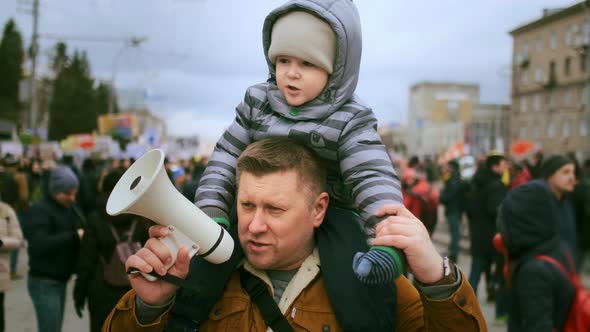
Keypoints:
(121, 125)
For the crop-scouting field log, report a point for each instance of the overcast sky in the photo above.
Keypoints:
(201, 55)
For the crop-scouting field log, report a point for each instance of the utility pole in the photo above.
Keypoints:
(132, 42)
(32, 84)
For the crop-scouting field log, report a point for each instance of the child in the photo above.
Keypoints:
(313, 50)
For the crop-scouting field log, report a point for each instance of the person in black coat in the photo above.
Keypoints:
(53, 233)
(487, 194)
(540, 294)
(98, 248)
(452, 197)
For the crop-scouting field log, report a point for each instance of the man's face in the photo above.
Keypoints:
(66, 198)
(277, 218)
(563, 180)
(298, 80)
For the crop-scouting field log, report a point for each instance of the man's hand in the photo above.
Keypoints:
(153, 257)
(404, 231)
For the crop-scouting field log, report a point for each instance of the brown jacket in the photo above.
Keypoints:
(306, 306)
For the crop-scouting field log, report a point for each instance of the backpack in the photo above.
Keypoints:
(578, 318)
(113, 270)
(8, 188)
(428, 208)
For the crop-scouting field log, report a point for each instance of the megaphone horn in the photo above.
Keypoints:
(146, 190)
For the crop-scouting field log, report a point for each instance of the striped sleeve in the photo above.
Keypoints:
(366, 167)
(217, 187)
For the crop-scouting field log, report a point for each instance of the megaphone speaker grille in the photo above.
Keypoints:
(135, 181)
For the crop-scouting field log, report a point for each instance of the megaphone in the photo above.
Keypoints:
(145, 190)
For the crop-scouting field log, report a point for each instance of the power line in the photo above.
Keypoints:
(99, 39)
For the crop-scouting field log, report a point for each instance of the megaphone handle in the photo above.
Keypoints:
(173, 241)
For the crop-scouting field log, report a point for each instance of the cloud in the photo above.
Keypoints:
(201, 55)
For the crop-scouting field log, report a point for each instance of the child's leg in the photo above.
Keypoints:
(190, 307)
(358, 307)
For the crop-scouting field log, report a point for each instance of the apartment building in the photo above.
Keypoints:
(550, 79)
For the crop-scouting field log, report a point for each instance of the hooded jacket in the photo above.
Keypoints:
(540, 294)
(336, 124)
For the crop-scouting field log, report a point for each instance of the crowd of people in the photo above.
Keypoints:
(326, 231)
(60, 209)
(539, 206)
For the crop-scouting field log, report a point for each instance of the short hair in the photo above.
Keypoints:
(494, 160)
(279, 154)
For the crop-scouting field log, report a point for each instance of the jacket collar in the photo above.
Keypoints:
(304, 276)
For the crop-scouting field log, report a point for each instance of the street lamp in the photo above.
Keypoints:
(132, 42)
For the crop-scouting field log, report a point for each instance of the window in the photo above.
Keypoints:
(568, 36)
(551, 102)
(565, 129)
(537, 103)
(523, 104)
(586, 33)
(539, 76)
(568, 97)
(522, 132)
(552, 70)
(539, 43)
(584, 127)
(583, 60)
(536, 131)
(551, 130)
(553, 40)
(524, 77)
(525, 49)
(567, 66)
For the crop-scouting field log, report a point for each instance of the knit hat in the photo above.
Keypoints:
(551, 165)
(305, 36)
(62, 179)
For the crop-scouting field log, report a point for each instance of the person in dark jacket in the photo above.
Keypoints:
(452, 198)
(97, 248)
(53, 232)
(540, 295)
(488, 191)
(559, 177)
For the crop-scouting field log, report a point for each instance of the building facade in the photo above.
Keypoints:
(443, 114)
(437, 114)
(550, 77)
(489, 129)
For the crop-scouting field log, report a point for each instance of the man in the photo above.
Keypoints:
(559, 176)
(53, 234)
(488, 191)
(281, 202)
(452, 198)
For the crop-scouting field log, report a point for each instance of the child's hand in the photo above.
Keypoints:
(375, 267)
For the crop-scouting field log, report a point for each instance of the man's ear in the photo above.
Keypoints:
(320, 205)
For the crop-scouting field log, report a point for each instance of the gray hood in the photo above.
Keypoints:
(344, 19)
